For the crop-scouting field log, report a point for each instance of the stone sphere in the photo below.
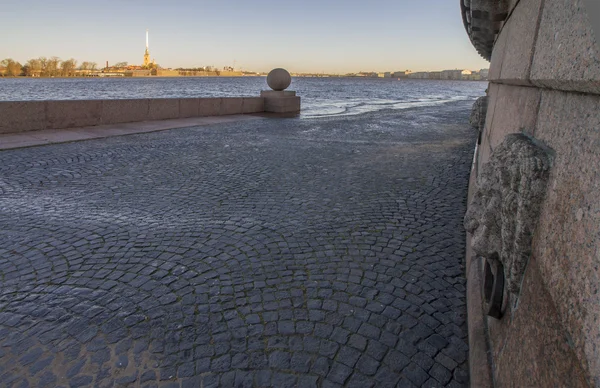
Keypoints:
(279, 79)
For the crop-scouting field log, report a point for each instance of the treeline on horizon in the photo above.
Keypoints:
(45, 67)
(56, 67)
(50, 67)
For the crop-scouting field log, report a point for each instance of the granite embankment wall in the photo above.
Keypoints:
(545, 83)
(22, 116)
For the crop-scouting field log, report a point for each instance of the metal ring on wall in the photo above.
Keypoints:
(493, 287)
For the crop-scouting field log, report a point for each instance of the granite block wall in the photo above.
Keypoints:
(23, 116)
(545, 83)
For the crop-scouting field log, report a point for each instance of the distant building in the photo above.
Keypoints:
(435, 75)
(485, 73)
(474, 76)
(387, 74)
(138, 73)
(167, 73)
(455, 74)
(367, 74)
(419, 75)
(147, 61)
(402, 74)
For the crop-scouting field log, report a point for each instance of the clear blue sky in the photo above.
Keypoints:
(302, 35)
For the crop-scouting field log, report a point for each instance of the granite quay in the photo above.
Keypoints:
(538, 156)
(24, 116)
(271, 252)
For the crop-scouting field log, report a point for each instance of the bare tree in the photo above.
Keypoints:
(52, 67)
(13, 68)
(120, 64)
(67, 68)
(4, 64)
(33, 68)
(43, 65)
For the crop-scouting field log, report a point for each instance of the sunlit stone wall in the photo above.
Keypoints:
(23, 116)
(545, 83)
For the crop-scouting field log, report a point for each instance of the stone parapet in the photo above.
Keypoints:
(23, 116)
(122, 111)
(284, 101)
(209, 106)
(282, 105)
(231, 106)
(253, 105)
(189, 107)
(277, 93)
(70, 114)
(163, 108)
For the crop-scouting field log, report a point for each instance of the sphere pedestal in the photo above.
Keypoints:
(284, 101)
(280, 100)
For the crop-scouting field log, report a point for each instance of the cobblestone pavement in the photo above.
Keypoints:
(279, 252)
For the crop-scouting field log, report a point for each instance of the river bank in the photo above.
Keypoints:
(321, 97)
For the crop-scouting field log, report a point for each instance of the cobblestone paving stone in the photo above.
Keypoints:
(275, 252)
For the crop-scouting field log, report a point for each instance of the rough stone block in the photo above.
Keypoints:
(73, 114)
(124, 111)
(478, 112)
(520, 30)
(22, 116)
(253, 105)
(566, 244)
(515, 110)
(489, 116)
(209, 106)
(163, 108)
(231, 106)
(479, 369)
(282, 104)
(485, 150)
(535, 351)
(498, 56)
(188, 107)
(566, 55)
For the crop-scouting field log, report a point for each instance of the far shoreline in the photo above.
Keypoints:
(245, 76)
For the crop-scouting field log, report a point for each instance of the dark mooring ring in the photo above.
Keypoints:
(493, 288)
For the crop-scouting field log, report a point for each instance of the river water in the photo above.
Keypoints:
(321, 97)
